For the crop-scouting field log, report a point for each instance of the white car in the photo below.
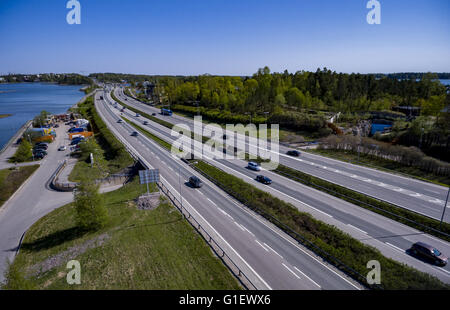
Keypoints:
(254, 166)
(62, 148)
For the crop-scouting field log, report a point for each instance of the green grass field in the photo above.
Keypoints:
(11, 180)
(141, 250)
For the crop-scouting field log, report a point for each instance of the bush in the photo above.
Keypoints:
(24, 152)
(90, 206)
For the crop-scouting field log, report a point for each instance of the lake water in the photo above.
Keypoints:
(445, 82)
(26, 100)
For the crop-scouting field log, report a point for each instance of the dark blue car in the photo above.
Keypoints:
(263, 179)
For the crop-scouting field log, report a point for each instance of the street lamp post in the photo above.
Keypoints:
(29, 140)
(250, 114)
(445, 207)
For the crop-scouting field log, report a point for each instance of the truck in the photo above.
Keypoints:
(166, 112)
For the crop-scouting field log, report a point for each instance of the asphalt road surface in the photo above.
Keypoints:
(391, 238)
(421, 197)
(269, 258)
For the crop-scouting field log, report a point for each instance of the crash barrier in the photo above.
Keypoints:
(239, 274)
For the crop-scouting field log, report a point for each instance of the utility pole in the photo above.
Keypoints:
(179, 181)
(445, 207)
(29, 140)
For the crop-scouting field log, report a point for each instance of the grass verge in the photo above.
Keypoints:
(382, 164)
(324, 239)
(401, 215)
(138, 249)
(113, 152)
(11, 179)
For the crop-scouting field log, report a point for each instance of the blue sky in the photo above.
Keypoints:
(231, 37)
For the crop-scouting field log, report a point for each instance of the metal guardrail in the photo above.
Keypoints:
(240, 275)
(226, 259)
(299, 238)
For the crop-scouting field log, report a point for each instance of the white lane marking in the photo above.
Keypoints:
(291, 271)
(211, 201)
(272, 250)
(225, 213)
(415, 195)
(395, 247)
(261, 245)
(237, 224)
(436, 201)
(248, 230)
(286, 239)
(175, 192)
(201, 193)
(447, 272)
(307, 277)
(171, 168)
(350, 225)
(398, 189)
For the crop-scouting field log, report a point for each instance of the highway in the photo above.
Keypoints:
(269, 258)
(422, 197)
(390, 237)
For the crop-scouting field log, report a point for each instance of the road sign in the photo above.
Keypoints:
(149, 176)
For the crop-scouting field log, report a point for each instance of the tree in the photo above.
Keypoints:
(91, 213)
(433, 106)
(40, 120)
(24, 152)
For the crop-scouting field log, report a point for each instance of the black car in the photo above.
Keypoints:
(153, 114)
(263, 179)
(135, 134)
(294, 153)
(195, 182)
(76, 141)
(39, 155)
(39, 151)
(429, 253)
(145, 123)
(41, 146)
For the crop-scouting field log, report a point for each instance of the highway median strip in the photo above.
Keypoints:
(337, 247)
(401, 215)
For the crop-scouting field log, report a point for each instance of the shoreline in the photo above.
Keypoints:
(28, 123)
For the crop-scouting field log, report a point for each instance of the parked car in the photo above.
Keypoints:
(40, 147)
(294, 153)
(254, 166)
(56, 126)
(40, 151)
(154, 114)
(39, 155)
(429, 253)
(195, 182)
(62, 148)
(263, 179)
(135, 134)
(76, 141)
